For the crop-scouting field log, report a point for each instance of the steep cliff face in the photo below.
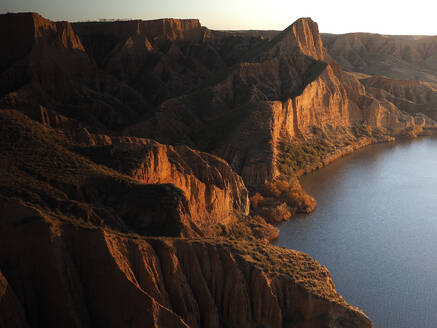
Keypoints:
(41, 167)
(216, 194)
(41, 44)
(106, 277)
(102, 39)
(52, 68)
(155, 128)
(334, 98)
(403, 69)
(22, 32)
(125, 183)
(281, 92)
(109, 74)
(70, 282)
(161, 58)
(188, 30)
(159, 30)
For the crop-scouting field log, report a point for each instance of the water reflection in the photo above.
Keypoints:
(375, 228)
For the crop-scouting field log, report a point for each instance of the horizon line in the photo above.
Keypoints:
(109, 20)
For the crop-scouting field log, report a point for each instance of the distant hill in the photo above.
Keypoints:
(400, 57)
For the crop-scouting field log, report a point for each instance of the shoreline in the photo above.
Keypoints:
(330, 218)
(362, 143)
(341, 152)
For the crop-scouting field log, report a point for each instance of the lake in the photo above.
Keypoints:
(375, 229)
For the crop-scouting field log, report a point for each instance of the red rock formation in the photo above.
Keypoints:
(75, 193)
(45, 43)
(103, 276)
(51, 68)
(59, 288)
(406, 61)
(173, 29)
(40, 169)
(158, 30)
(22, 32)
(177, 191)
(289, 87)
(216, 194)
(160, 58)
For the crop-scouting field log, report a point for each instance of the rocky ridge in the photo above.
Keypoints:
(158, 129)
(398, 57)
(408, 95)
(283, 91)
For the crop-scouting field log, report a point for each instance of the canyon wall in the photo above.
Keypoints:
(280, 92)
(128, 152)
(54, 70)
(400, 70)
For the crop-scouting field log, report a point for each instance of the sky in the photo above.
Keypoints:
(376, 16)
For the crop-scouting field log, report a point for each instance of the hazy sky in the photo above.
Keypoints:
(379, 16)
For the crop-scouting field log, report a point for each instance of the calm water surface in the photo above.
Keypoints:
(375, 228)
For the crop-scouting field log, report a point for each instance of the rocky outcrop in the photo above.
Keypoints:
(106, 277)
(215, 193)
(403, 69)
(41, 170)
(177, 72)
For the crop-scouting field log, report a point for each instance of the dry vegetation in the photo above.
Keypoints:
(281, 199)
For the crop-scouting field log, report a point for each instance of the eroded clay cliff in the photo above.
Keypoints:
(216, 195)
(123, 182)
(395, 69)
(52, 68)
(157, 129)
(117, 280)
(242, 97)
(283, 91)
